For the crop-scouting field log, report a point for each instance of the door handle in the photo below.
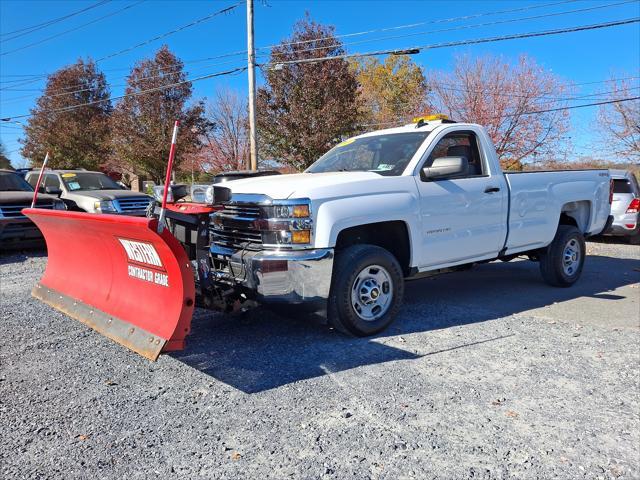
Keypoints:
(491, 189)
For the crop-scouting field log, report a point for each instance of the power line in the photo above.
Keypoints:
(608, 102)
(151, 77)
(34, 28)
(146, 42)
(445, 20)
(465, 42)
(183, 27)
(463, 27)
(571, 107)
(133, 94)
(419, 24)
(72, 29)
(413, 50)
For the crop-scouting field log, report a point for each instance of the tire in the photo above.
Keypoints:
(366, 267)
(634, 239)
(557, 269)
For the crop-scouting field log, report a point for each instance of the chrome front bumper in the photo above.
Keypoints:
(291, 276)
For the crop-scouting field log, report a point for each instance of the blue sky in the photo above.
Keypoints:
(579, 57)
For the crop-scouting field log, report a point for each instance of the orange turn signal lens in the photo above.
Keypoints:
(300, 211)
(301, 236)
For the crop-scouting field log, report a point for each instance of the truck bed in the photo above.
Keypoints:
(538, 198)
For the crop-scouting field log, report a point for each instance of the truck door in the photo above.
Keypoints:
(462, 217)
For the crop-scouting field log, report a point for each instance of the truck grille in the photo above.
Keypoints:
(133, 204)
(233, 227)
(15, 211)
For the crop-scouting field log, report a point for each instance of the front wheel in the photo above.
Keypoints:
(562, 261)
(366, 290)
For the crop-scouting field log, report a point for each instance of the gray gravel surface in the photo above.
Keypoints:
(485, 374)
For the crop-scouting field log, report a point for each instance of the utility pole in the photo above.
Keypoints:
(252, 164)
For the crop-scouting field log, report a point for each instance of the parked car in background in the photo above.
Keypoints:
(92, 192)
(625, 206)
(16, 230)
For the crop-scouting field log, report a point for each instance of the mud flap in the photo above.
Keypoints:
(119, 276)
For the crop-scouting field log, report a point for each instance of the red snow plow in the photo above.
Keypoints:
(118, 275)
(136, 280)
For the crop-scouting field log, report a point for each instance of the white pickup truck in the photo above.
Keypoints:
(425, 198)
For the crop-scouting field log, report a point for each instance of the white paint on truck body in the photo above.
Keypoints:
(450, 221)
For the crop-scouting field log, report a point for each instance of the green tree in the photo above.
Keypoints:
(306, 108)
(4, 160)
(389, 91)
(70, 119)
(157, 94)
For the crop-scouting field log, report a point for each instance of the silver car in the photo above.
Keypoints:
(92, 192)
(625, 206)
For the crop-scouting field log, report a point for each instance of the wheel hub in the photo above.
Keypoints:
(372, 293)
(571, 257)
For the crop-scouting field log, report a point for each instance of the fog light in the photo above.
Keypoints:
(301, 236)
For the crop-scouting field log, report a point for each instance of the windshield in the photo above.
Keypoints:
(383, 154)
(88, 181)
(11, 182)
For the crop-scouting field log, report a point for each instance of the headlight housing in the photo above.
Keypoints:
(216, 195)
(105, 206)
(59, 205)
(158, 192)
(289, 223)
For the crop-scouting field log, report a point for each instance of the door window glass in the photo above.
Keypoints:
(459, 144)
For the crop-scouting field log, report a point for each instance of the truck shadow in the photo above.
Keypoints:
(265, 350)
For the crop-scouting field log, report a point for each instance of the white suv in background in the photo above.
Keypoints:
(92, 192)
(625, 207)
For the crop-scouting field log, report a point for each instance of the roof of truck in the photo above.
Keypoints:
(412, 127)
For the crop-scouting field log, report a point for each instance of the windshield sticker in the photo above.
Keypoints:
(384, 167)
(73, 185)
(68, 175)
(346, 142)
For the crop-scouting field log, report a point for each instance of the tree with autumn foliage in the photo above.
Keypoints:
(508, 100)
(70, 119)
(306, 108)
(157, 95)
(4, 159)
(226, 145)
(619, 122)
(391, 90)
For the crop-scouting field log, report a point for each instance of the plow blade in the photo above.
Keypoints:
(119, 276)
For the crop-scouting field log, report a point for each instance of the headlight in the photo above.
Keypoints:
(291, 211)
(216, 195)
(289, 224)
(158, 192)
(59, 205)
(104, 206)
(208, 195)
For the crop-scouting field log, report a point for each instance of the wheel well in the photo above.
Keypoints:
(392, 236)
(576, 214)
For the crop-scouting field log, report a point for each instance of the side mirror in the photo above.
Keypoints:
(446, 167)
(53, 191)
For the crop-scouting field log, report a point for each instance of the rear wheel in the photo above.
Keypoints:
(366, 290)
(562, 261)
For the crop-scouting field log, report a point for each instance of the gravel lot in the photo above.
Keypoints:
(486, 374)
